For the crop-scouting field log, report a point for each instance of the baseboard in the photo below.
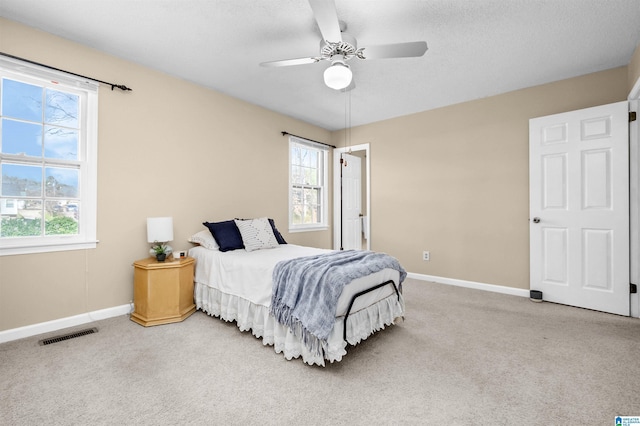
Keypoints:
(471, 284)
(59, 324)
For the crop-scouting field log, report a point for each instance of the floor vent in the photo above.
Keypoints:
(73, 335)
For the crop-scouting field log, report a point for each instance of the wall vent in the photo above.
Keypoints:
(73, 335)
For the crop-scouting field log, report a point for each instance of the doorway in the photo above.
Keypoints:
(348, 228)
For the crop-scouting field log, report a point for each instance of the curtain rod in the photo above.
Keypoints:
(307, 139)
(119, 86)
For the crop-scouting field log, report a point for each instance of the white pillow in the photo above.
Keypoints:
(257, 234)
(205, 239)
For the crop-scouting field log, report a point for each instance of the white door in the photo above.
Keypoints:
(579, 207)
(351, 202)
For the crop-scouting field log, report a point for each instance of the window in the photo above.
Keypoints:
(307, 185)
(48, 159)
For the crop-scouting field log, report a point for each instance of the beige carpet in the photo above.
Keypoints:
(462, 357)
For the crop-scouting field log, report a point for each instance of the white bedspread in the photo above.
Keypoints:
(228, 272)
(237, 286)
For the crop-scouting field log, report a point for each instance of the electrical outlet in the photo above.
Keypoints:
(425, 255)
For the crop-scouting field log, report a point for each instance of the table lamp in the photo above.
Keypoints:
(159, 232)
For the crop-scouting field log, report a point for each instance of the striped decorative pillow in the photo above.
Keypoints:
(257, 234)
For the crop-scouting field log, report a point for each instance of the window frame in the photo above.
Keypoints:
(87, 162)
(323, 186)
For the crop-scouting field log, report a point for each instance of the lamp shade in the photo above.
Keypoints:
(159, 229)
(338, 76)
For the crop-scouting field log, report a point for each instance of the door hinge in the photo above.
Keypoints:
(633, 288)
(632, 116)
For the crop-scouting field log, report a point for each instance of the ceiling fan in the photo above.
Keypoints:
(339, 47)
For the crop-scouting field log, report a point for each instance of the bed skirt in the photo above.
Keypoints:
(256, 318)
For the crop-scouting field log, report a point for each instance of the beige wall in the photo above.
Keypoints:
(169, 147)
(454, 180)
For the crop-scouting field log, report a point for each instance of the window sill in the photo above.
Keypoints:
(308, 229)
(46, 248)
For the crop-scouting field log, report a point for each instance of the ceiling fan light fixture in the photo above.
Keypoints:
(338, 76)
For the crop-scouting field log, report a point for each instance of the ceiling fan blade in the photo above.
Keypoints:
(289, 62)
(398, 50)
(327, 19)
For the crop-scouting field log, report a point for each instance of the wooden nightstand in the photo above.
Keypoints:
(162, 291)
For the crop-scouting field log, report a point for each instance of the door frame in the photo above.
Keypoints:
(634, 198)
(337, 213)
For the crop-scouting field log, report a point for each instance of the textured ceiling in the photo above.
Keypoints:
(476, 48)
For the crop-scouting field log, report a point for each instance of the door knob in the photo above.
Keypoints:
(536, 220)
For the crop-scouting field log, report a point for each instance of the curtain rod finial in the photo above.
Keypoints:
(121, 87)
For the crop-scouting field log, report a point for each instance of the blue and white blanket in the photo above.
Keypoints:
(306, 290)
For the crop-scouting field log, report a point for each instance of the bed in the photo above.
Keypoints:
(238, 285)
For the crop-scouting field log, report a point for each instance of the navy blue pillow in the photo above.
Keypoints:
(226, 235)
(277, 233)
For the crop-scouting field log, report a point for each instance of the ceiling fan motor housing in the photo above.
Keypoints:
(348, 47)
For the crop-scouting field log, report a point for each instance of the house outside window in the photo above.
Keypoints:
(307, 186)
(48, 160)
